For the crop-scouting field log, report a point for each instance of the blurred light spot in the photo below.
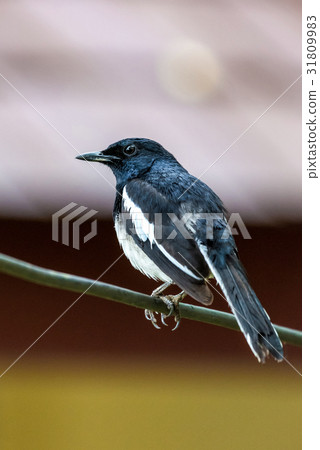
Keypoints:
(189, 71)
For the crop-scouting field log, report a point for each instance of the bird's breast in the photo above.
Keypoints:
(136, 256)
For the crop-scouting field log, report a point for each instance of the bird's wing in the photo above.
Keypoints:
(153, 223)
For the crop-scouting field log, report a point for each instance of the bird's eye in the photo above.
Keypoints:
(130, 150)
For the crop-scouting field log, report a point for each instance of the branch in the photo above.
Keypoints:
(46, 277)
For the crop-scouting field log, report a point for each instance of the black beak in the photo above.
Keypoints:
(97, 157)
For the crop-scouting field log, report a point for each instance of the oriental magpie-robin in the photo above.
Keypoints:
(173, 228)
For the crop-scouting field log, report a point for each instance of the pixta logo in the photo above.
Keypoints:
(71, 217)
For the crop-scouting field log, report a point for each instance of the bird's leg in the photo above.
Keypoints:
(169, 304)
(161, 288)
(172, 302)
(150, 315)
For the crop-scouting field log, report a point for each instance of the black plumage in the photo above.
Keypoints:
(173, 227)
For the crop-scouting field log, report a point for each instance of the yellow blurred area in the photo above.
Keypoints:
(149, 406)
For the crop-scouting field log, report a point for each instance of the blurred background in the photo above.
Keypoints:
(217, 83)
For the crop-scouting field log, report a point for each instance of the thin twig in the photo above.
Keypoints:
(46, 277)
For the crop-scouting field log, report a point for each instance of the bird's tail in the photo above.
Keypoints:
(252, 318)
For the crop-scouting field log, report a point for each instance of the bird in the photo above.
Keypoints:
(173, 228)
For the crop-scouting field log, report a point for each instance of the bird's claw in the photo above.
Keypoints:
(172, 303)
(150, 316)
(163, 317)
(173, 308)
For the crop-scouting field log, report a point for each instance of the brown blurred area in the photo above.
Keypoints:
(99, 327)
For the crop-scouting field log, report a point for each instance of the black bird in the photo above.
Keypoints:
(173, 228)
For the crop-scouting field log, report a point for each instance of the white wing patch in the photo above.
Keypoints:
(176, 263)
(145, 231)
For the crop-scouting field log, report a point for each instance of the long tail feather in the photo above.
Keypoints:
(252, 318)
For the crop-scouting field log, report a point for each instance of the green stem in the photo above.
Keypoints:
(46, 277)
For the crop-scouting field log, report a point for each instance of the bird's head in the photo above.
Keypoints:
(129, 158)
